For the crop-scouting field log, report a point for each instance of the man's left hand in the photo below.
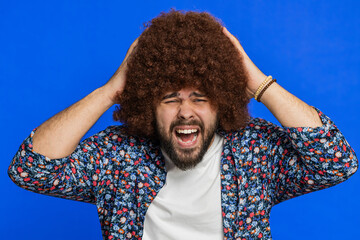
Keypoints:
(255, 75)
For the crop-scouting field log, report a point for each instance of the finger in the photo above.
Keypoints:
(230, 36)
(233, 40)
(131, 49)
(133, 45)
(227, 33)
(225, 30)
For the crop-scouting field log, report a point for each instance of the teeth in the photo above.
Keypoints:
(186, 131)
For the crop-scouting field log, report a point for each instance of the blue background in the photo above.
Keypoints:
(53, 53)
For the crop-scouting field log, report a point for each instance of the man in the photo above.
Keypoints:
(189, 163)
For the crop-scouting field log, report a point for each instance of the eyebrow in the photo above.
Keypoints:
(176, 94)
(171, 95)
(196, 94)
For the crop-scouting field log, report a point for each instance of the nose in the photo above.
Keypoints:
(185, 111)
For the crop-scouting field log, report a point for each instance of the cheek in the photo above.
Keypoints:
(208, 116)
(165, 116)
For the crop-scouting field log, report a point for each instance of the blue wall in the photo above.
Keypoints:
(53, 53)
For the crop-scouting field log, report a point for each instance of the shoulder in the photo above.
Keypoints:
(115, 138)
(118, 133)
(255, 129)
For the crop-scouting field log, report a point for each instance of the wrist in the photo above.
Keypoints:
(263, 87)
(106, 95)
(254, 83)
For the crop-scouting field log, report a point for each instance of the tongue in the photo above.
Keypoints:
(186, 137)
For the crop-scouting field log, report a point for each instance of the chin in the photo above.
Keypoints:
(186, 159)
(186, 143)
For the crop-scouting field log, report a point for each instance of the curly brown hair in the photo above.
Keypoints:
(178, 50)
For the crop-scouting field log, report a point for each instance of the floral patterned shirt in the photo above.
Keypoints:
(261, 165)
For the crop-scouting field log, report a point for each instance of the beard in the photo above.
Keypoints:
(187, 158)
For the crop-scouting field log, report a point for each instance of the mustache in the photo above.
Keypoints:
(181, 122)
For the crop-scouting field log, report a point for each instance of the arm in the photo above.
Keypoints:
(289, 110)
(51, 160)
(309, 159)
(310, 153)
(59, 136)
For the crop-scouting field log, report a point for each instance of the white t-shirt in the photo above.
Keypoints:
(189, 204)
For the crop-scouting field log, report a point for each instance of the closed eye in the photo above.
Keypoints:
(200, 100)
(171, 101)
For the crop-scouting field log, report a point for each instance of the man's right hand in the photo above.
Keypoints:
(116, 84)
(59, 136)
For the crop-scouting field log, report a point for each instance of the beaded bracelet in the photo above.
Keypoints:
(264, 89)
(262, 85)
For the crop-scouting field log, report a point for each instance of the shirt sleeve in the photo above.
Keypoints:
(309, 159)
(74, 177)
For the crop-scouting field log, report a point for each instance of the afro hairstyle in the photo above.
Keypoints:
(180, 50)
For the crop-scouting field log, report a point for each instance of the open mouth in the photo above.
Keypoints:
(187, 137)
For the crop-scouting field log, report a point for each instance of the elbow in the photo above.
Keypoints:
(345, 161)
(11, 173)
(351, 165)
(336, 170)
(346, 167)
(16, 173)
(350, 161)
(20, 167)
